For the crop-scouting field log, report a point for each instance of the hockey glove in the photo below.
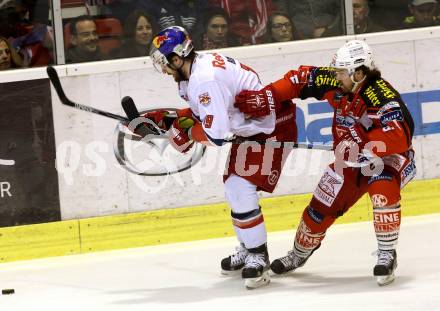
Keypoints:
(159, 118)
(178, 134)
(257, 103)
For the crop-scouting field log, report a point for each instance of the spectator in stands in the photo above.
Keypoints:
(9, 22)
(280, 28)
(29, 36)
(139, 28)
(248, 18)
(84, 40)
(36, 46)
(185, 13)
(215, 33)
(9, 58)
(312, 17)
(423, 14)
(18, 6)
(361, 20)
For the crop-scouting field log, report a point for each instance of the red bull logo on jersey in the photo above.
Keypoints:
(204, 99)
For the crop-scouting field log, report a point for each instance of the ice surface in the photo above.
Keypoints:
(186, 276)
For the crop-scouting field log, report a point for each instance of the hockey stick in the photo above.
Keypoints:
(281, 144)
(54, 78)
(142, 126)
(132, 113)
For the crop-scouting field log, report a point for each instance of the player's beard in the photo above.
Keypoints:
(178, 76)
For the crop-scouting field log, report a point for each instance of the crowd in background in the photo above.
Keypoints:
(125, 28)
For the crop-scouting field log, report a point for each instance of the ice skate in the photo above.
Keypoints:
(256, 269)
(384, 269)
(233, 264)
(289, 262)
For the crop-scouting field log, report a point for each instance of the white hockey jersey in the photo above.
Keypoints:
(214, 82)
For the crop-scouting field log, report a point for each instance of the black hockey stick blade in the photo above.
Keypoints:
(142, 127)
(55, 80)
(53, 77)
(130, 108)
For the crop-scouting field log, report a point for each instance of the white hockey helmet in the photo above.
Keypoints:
(352, 55)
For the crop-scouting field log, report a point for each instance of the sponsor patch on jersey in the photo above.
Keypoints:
(344, 121)
(408, 173)
(205, 99)
(208, 121)
(316, 217)
(384, 176)
(389, 106)
(386, 223)
(325, 80)
(391, 116)
(328, 188)
(396, 161)
(379, 200)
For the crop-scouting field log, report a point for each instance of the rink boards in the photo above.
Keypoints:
(105, 207)
(182, 224)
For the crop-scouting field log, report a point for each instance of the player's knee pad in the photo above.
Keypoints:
(241, 194)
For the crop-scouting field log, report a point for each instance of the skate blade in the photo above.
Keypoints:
(253, 283)
(383, 280)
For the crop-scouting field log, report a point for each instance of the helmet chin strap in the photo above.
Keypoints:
(180, 71)
(355, 84)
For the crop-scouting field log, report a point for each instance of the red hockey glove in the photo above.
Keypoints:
(257, 103)
(178, 134)
(158, 117)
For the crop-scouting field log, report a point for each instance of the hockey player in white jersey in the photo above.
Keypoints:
(209, 83)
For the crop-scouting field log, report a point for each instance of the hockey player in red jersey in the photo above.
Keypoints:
(370, 121)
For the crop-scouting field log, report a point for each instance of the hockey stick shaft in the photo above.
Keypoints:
(55, 80)
(281, 144)
(132, 113)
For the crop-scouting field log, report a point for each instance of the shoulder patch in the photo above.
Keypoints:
(205, 99)
(395, 115)
(379, 93)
